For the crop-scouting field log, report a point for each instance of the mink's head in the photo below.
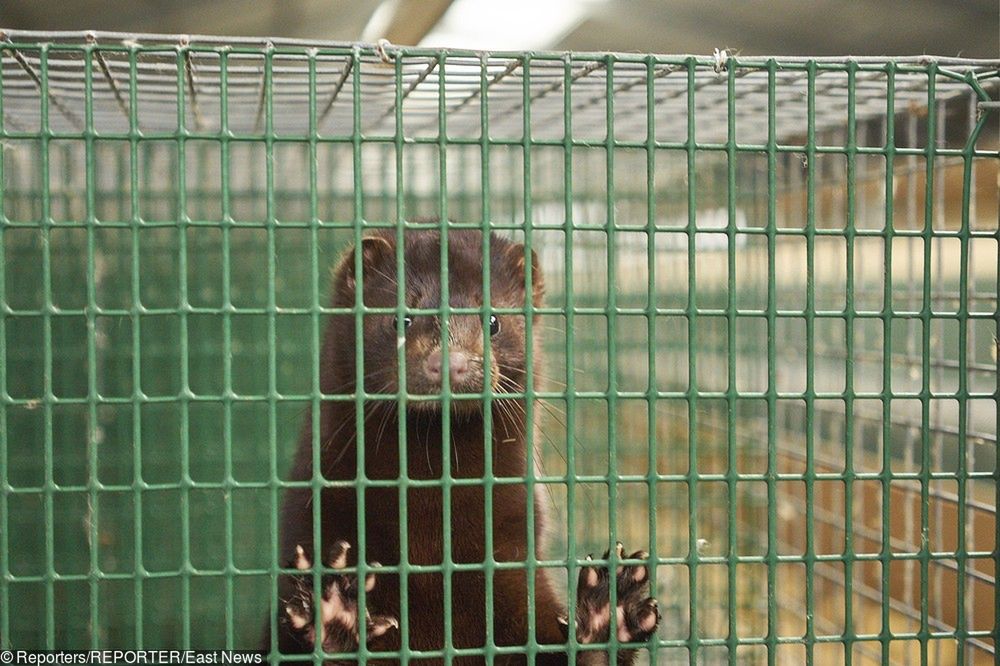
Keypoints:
(422, 334)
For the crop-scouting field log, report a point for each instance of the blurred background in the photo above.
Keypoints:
(969, 28)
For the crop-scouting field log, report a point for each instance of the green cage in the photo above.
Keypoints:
(770, 328)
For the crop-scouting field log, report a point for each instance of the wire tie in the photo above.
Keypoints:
(382, 47)
(721, 59)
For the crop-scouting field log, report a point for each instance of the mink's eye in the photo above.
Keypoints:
(494, 325)
(407, 322)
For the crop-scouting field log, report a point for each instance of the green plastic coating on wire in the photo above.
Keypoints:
(767, 353)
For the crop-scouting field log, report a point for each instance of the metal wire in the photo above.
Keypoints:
(769, 336)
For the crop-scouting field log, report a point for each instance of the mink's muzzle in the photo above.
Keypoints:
(466, 372)
(460, 367)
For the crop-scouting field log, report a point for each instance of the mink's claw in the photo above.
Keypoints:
(636, 616)
(338, 608)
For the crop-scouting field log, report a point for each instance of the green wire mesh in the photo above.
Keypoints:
(769, 337)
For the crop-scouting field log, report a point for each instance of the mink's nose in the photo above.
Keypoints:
(458, 366)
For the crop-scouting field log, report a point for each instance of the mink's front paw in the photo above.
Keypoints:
(636, 614)
(338, 608)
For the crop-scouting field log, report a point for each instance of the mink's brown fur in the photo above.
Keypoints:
(426, 533)
(424, 457)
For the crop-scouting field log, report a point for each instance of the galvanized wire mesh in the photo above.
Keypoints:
(770, 330)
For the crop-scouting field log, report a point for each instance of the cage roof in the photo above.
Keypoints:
(165, 86)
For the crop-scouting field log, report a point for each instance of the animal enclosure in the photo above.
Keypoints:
(768, 345)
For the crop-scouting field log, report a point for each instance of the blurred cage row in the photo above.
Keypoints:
(779, 277)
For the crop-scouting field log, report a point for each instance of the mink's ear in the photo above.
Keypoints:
(374, 250)
(516, 255)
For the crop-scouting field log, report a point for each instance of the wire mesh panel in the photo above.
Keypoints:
(768, 344)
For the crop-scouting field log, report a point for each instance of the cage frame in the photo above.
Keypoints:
(185, 52)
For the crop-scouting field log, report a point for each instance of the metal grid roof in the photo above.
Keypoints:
(254, 87)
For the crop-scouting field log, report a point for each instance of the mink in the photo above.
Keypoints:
(426, 536)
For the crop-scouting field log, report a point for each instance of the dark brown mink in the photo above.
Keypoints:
(424, 460)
